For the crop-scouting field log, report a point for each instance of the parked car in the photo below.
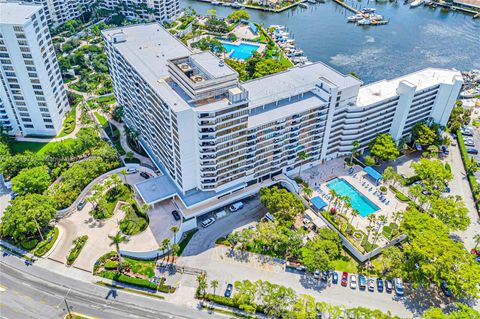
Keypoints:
(325, 276)
(228, 291)
(131, 170)
(398, 285)
(475, 252)
(445, 150)
(81, 204)
(353, 281)
(208, 222)
(472, 151)
(379, 284)
(145, 175)
(446, 291)
(335, 277)
(301, 268)
(344, 279)
(388, 285)
(361, 282)
(176, 215)
(236, 206)
(316, 274)
(371, 284)
(404, 176)
(13, 195)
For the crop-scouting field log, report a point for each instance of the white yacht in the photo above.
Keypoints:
(364, 22)
(416, 3)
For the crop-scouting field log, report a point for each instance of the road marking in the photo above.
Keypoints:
(3, 288)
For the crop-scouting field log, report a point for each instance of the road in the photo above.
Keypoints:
(35, 292)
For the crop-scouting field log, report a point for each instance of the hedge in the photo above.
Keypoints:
(44, 246)
(29, 244)
(113, 264)
(129, 280)
(102, 259)
(79, 243)
(471, 177)
(399, 195)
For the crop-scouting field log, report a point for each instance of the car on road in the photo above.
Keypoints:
(446, 291)
(388, 285)
(335, 277)
(131, 170)
(361, 282)
(228, 291)
(208, 222)
(379, 284)
(353, 281)
(81, 204)
(371, 284)
(236, 206)
(145, 175)
(472, 151)
(398, 285)
(344, 279)
(176, 215)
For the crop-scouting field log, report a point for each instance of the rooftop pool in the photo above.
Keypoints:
(242, 51)
(358, 201)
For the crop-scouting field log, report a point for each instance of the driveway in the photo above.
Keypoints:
(204, 239)
(161, 220)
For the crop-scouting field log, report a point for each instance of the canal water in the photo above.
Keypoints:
(414, 38)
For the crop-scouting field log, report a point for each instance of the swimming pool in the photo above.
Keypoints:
(358, 201)
(242, 51)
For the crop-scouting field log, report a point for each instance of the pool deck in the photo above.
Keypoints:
(317, 177)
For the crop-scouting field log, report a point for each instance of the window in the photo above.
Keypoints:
(26, 119)
(17, 28)
(28, 126)
(47, 120)
(49, 126)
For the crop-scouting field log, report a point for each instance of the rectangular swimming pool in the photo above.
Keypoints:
(358, 201)
(242, 51)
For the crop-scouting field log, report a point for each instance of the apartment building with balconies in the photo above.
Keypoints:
(58, 12)
(212, 135)
(147, 10)
(33, 100)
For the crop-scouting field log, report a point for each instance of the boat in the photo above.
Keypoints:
(303, 5)
(364, 22)
(298, 52)
(215, 2)
(355, 18)
(416, 3)
(321, 1)
(236, 5)
(368, 10)
(312, 1)
(376, 17)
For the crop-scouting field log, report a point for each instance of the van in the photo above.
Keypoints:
(236, 206)
(221, 213)
(398, 286)
(131, 170)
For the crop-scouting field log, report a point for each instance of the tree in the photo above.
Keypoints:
(304, 308)
(202, 284)
(389, 174)
(31, 180)
(165, 245)
(116, 240)
(307, 191)
(384, 148)
(26, 216)
(356, 146)
(354, 213)
(459, 117)
(369, 160)
(281, 203)
(174, 230)
(392, 260)
(302, 156)
(433, 174)
(214, 285)
(238, 15)
(318, 253)
(245, 295)
(477, 239)
(275, 299)
(451, 212)
(124, 174)
(423, 134)
(459, 311)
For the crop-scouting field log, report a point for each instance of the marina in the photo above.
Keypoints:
(281, 37)
(414, 39)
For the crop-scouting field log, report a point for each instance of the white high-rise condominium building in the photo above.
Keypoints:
(32, 97)
(149, 10)
(58, 12)
(213, 136)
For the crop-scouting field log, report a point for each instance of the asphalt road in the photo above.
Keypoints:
(34, 292)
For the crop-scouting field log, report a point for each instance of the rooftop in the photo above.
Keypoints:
(211, 65)
(16, 13)
(375, 92)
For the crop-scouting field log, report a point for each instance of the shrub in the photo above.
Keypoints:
(222, 300)
(383, 189)
(79, 243)
(129, 280)
(29, 244)
(102, 259)
(399, 195)
(111, 264)
(44, 246)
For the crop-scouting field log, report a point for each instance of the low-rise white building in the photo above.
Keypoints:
(212, 135)
(32, 96)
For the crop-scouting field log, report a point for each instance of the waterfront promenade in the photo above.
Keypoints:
(248, 6)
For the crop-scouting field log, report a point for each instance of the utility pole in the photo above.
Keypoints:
(38, 228)
(66, 304)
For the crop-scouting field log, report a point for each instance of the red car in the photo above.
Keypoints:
(344, 279)
(475, 252)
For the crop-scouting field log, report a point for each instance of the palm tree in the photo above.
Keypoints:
(308, 191)
(397, 216)
(124, 173)
(174, 230)
(116, 240)
(477, 240)
(354, 214)
(214, 285)
(333, 193)
(302, 156)
(356, 145)
(369, 230)
(202, 284)
(175, 249)
(371, 219)
(166, 246)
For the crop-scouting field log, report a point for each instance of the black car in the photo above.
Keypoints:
(335, 277)
(388, 285)
(446, 291)
(325, 275)
(379, 284)
(472, 151)
(81, 205)
(145, 175)
(228, 291)
(176, 215)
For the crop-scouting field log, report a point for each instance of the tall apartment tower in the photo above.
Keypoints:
(149, 10)
(32, 96)
(58, 12)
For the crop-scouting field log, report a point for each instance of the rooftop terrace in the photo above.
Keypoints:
(16, 13)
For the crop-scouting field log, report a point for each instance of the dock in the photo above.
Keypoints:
(254, 7)
(343, 4)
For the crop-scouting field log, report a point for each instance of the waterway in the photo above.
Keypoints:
(414, 39)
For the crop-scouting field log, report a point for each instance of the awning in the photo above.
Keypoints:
(318, 203)
(373, 173)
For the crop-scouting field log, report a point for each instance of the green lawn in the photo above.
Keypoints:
(39, 148)
(109, 99)
(111, 198)
(101, 119)
(69, 123)
(143, 267)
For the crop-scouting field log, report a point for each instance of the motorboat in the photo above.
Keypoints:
(215, 2)
(312, 1)
(368, 10)
(236, 5)
(355, 18)
(364, 22)
(376, 17)
(416, 3)
(303, 5)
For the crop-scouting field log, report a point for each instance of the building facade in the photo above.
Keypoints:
(32, 96)
(147, 10)
(58, 12)
(214, 135)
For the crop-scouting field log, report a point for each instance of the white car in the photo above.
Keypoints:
(208, 222)
(131, 170)
(353, 281)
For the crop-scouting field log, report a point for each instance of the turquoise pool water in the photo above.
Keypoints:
(358, 201)
(242, 51)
